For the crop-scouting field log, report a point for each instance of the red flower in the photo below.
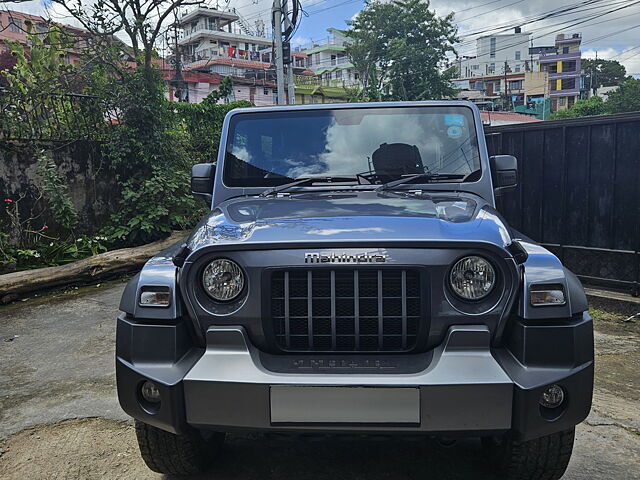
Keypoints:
(44, 227)
(8, 200)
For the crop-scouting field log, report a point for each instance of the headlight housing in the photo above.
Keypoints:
(223, 279)
(472, 278)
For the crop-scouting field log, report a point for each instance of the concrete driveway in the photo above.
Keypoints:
(59, 415)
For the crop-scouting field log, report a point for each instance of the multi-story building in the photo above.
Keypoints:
(562, 65)
(220, 42)
(15, 26)
(510, 75)
(328, 59)
(495, 52)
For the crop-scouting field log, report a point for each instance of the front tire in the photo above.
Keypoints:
(544, 458)
(171, 454)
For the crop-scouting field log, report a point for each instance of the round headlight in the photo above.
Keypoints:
(472, 278)
(223, 280)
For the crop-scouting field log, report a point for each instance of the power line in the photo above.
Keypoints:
(565, 27)
(490, 11)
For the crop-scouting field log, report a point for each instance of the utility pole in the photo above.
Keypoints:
(286, 57)
(594, 78)
(506, 84)
(180, 90)
(277, 36)
(291, 83)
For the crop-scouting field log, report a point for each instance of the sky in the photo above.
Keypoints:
(614, 35)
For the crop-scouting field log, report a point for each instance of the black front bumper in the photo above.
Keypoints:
(466, 386)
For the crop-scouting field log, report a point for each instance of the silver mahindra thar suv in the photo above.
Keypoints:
(354, 277)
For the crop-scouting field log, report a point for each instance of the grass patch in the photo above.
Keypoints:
(602, 315)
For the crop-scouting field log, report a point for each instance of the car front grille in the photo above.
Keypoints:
(366, 309)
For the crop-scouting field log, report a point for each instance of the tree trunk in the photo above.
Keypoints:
(86, 271)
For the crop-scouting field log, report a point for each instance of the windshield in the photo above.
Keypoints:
(381, 144)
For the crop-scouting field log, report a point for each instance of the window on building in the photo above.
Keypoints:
(568, 83)
(475, 67)
(565, 49)
(333, 59)
(496, 87)
(569, 66)
(552, 85)
(517, 68)
(338, 74)
(266, 91)
(492, 47)
(517, 54)
(41, 27)
(515, 85)
(356, 76)
(15, 25)
(492, 68)
(561, 102)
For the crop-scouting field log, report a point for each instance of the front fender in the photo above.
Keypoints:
(543, 267)
(159, 271)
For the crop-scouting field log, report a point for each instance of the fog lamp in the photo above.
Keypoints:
(552, 396)
(150, 392)
(546, 295)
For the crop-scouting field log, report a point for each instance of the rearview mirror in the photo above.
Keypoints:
(202, 175)
(504, 172)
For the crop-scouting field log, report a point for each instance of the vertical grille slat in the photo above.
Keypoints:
(310, 308)
(287, 319)
(404, 309)
(333, 310)
(356, 308)
(346, 310)
(380, 311)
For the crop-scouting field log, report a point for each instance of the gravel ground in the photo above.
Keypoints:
(59, 416)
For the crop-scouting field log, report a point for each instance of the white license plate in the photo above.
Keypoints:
(298, 404)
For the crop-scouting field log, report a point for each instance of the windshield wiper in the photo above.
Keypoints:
(428, 177)
(302, 181)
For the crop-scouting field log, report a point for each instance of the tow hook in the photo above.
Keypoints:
(446, 442)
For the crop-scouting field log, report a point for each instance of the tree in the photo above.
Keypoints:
(626, 98)
(141, 20)
(603, 73)
(400, 51)
(582, 108)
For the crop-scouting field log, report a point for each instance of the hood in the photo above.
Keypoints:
(351, 217)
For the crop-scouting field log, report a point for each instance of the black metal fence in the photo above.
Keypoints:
(579, 192)
(53, 117)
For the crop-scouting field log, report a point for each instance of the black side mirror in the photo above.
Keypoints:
(504, 172)
(202, 175)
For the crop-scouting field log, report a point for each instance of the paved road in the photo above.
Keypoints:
(56, 363)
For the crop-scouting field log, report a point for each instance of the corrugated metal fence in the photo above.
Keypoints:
(579, 192)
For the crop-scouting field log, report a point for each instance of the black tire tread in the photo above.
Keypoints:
(544, 458)
(172, 454)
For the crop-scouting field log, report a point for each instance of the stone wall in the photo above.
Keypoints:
(92, 185)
